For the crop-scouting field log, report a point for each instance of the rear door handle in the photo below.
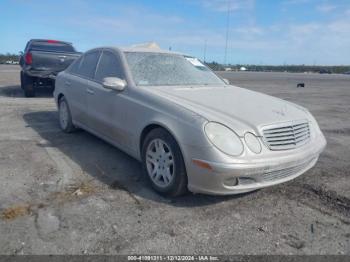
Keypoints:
(89, 91)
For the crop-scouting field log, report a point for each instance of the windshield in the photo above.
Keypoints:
(160, 69)
(55, 47)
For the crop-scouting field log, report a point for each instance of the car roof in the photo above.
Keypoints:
(48, 40)
(142, 48)
(146, 50)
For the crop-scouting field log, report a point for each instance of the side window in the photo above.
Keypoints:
(88, 65)
(74, 68)
(109, 66)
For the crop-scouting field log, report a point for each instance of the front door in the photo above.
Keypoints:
(106, 107)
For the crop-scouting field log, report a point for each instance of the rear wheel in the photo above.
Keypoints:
(27, 84)
(163, 163)
(22, 82)
(53, 84)
(65, 117)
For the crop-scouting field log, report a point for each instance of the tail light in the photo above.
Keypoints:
(29, 58)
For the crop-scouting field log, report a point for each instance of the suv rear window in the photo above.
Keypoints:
(57, 47)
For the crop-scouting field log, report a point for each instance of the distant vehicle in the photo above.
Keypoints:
(42, 60)
(11, 62)
(325, 71)
(347, 73)
(243, 68)
(189, 128)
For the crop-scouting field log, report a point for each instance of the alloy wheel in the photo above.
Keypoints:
(160, 163)
(64, 117)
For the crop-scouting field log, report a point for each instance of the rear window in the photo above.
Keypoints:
(74, 68)
(56, 47)
(88, 65)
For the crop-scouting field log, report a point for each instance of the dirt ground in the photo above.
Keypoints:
(75, 194)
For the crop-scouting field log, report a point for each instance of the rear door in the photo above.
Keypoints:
(106, 107)
(77, 87)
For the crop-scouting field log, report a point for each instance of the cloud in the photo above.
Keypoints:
(341, 26)
(250, 30)
(296, 2)
(304, 29)
(224, 5)
(326, 8)
(289, 41)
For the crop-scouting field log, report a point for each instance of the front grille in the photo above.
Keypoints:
(286, 136)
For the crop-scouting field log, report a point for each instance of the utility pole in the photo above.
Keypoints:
(205, 51)
(227, 30)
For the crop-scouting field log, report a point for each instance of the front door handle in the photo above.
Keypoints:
(67, 83)
(89, 91)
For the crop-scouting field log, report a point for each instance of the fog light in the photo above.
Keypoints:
(232, 181)
(252, 142)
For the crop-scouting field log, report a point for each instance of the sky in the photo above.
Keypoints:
(259, 31)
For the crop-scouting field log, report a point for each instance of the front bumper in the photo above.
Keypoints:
(235, 178)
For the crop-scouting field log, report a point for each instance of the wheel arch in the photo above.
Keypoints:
(59, 97)
(151, 126)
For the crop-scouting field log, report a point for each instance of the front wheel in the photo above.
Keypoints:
(65, 117)
(163, 163)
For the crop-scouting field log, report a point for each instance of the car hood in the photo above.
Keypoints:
(240, 109)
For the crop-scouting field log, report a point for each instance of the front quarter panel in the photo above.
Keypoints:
(143, 108)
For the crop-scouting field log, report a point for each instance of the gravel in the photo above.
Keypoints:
(79, 195)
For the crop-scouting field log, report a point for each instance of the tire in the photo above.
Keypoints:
(163, 163)
(53, 84)
(27, 84)
(22, 81)
(65, 117)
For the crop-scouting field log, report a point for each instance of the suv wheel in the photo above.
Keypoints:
(27, 84)
(22, 81)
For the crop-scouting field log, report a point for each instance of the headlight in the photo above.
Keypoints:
(252, 142)
(224, 139)
(314, 127)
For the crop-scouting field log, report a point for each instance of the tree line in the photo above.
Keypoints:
(8, 57)
(341, 69)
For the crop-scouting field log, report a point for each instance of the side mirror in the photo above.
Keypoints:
(114, 83)
(20, 52)
(226, 81)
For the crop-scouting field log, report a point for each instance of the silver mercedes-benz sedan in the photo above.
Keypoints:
(190, 129)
